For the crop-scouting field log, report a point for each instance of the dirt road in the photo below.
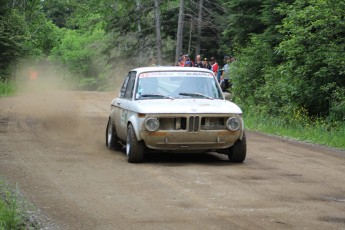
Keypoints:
(52, 146)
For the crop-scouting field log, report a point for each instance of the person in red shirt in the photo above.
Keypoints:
(214, 66)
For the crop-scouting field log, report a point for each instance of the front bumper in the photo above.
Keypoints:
(182, 140)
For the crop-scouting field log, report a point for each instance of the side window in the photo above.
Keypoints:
(130, 85)
(124, 86)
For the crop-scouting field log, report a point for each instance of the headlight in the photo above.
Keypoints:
(233, 123)
(151, 124)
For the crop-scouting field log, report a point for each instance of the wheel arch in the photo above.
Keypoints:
(136, 126)
(242, 129)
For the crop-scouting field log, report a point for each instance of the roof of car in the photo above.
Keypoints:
(170, 68)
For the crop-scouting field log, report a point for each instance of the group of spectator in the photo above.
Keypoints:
(223, 75)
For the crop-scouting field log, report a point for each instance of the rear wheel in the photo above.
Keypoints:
(237, 152)
(111, 139)
(134, 148)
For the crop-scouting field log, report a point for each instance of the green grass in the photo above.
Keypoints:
(13, 209)
(317, 131)
(7, 88)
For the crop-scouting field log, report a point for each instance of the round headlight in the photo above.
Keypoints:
(151, 124)
(233, 123)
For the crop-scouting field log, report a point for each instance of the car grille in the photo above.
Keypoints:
(193, 124)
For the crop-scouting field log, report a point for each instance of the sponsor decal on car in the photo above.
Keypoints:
(175, 74)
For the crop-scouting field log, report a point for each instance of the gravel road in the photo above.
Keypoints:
(52, 146)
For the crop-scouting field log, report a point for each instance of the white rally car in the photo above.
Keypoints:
(174, 109)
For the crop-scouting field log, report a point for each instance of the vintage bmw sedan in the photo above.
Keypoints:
(174, 109)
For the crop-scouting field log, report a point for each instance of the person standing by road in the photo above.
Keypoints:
(206, 64)
(225, 79)
(180, 62)
(188, 64)
(214, 66)
(198, 62)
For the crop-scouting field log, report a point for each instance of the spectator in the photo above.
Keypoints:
(214, 66)
(186, 58)
(206, 64)
(188, 64)
(198, 62)
(180, 62)
(225, 78)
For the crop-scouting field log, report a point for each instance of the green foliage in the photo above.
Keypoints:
(14, 210)
(9, 218)
(12, 37)
(296, 62)
(247, 73)
(240, 13)
(79, 50)
(58, 11)
(298, 126)
(313, 48)
(24, 32)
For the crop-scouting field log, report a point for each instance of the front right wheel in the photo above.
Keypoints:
(237, 152)
(134, 148)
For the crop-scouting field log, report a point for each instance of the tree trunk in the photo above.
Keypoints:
(179, 31)
(190, 35)
(158, 33)
(199, 26)
(138, 4)
(141, 56)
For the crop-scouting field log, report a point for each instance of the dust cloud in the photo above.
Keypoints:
(43, 92)
(46, 100)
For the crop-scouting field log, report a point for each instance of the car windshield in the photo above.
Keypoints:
(177, 85)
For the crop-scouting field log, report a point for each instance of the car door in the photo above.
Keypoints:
(123, 103)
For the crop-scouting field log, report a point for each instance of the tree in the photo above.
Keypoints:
(313, 48)
(243, 19)
(158, 32)
(59, 11)
(179, 37)
(24, 31)
(199, 26)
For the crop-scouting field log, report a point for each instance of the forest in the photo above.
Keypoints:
(290, 59)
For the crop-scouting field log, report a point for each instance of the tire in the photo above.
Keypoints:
(111, 139)
(134, 148)
(237, 152)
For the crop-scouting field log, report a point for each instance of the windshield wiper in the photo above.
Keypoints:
(197, 95)
(156, 95)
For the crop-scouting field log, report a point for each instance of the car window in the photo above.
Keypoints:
(130, 85)
(124, 86)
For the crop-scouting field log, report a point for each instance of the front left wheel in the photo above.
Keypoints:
(134, 148)
(237, 152)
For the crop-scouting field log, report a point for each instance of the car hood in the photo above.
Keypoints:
(185, 106)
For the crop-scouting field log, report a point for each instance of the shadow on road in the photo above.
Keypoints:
(179, 159)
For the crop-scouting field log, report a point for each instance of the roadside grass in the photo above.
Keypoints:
(14, 212)
(317, 131)
(7, 88)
